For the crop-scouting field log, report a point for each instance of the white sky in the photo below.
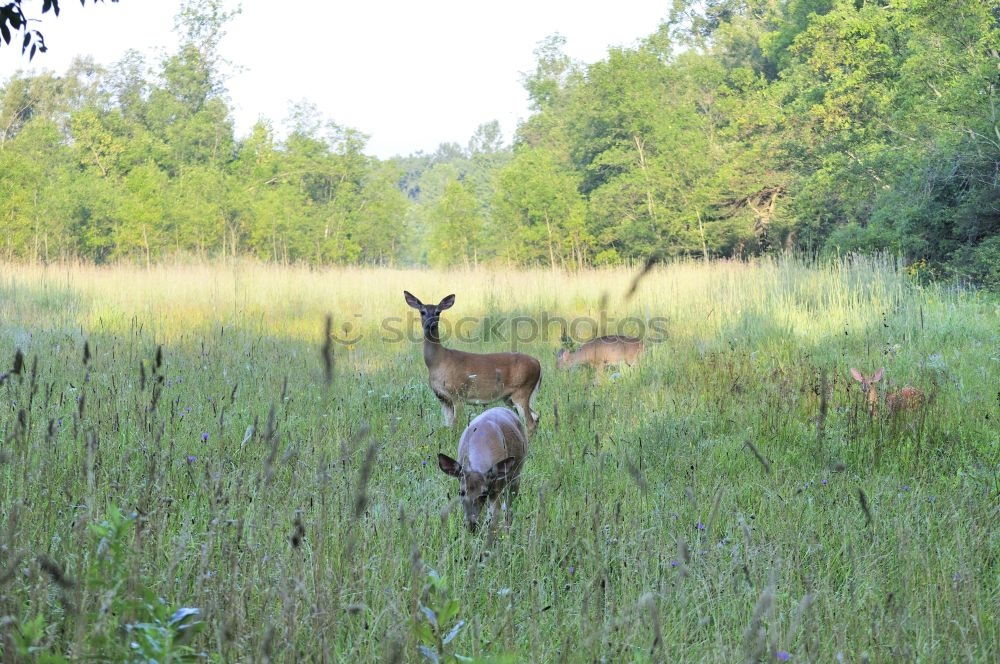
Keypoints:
(409, 74)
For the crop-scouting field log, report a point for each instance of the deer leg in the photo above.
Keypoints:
(533, 420)
(447, 410)
(530, 417)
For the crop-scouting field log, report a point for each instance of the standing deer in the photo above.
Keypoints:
(480, 378)
(907, 398)
(602, 351)
(491, 452)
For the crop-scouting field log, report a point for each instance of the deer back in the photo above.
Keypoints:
(604, 350)
(490, 438)
(907, 398)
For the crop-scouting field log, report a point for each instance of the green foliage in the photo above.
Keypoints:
(539, 212)
(436, 624)
(130, 164)
(131, 623)
(736, 128)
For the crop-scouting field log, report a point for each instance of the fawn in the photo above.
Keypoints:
(491, 452)
(907, 398)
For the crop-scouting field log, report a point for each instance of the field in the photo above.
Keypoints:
(172, 440)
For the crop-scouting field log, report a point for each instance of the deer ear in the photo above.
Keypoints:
(411, 300)
(449, 465)
(446, 302)
(877, 376)
(501, 469)
(857, 375)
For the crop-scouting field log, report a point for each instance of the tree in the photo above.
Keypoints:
(13, 20)
(456, 229)
(539, 212)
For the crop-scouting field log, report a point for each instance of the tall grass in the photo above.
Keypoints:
(727, 499)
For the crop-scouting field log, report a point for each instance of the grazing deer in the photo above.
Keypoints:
(476, 377)
(908, 398)
(491, 452)
(601, 352)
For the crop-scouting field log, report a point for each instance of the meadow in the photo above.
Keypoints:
(186, 473)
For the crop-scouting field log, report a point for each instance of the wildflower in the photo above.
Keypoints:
(204, 436)
(674, 563)
(700, 526)
(572, 569)
(906, 487)
(191, 458)
(783, 655)
(824, 481)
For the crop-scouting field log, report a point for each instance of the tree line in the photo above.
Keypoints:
(738, 127)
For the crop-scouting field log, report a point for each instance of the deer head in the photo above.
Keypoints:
(868, 384)
(476, 489)
(430, 314)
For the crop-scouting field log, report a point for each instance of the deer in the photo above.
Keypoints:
(491, 452)
(480, 378)
(601, 352)
(907, 398)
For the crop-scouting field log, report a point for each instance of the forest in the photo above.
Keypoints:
(737, 128)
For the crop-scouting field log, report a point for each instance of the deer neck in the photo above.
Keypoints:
(433, 350)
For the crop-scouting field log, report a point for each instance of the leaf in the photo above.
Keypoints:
(181, 614)
(449, 637)
(46, 5)
(449, 611)
(424, 633)
(5, 32)
(428, 653)
(435, 578)
(431, 616)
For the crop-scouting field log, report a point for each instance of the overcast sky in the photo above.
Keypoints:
(409, 74)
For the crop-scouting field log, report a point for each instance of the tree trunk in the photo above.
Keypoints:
(552, 256)
(701, 230)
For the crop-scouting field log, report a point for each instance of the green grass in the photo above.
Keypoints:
(313, 523)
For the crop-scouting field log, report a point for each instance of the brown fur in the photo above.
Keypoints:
(601, 352)
(456, 375)
(907, 398)
(491, 452)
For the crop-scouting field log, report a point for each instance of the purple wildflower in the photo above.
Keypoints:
(204, 436)
(700, 526)
(824, 481)
(572, 569)
(783, 655)
(906, 487)
(191, 458)
(674, 563)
